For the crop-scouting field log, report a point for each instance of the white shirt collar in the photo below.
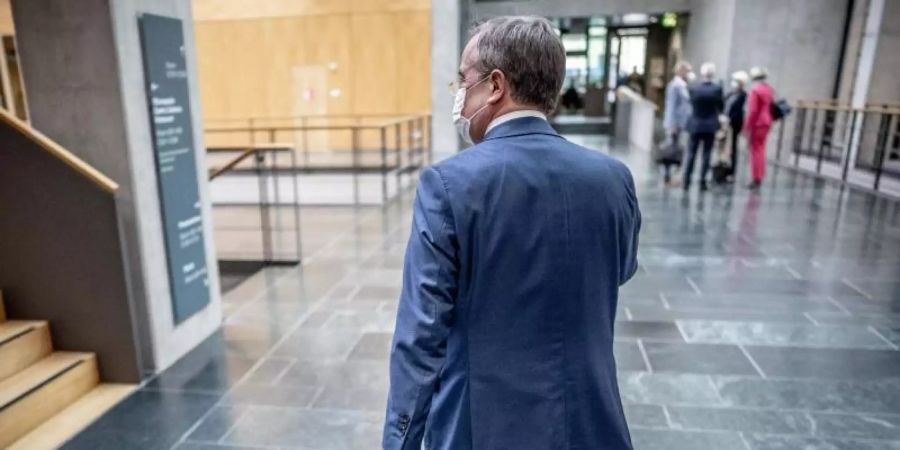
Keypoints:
(514, 115)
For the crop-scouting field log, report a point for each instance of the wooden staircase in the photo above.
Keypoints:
(37, 384)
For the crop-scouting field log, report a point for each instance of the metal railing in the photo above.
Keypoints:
(859, 146)
(271, 201)
(386, 145)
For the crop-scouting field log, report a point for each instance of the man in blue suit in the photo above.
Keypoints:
(504, 335)
(707, 103)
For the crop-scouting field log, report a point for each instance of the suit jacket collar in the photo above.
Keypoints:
(519, 127)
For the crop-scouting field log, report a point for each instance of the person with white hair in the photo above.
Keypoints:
(504, 331)
(706, 104)
(758, 123)
(675, 117)
(734, 109)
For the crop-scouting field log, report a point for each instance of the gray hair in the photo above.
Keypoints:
(529, 52)
(759, 73)
(708, 70)
(682, 65)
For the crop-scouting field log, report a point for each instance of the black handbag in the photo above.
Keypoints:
(780, 109)
(669, 152)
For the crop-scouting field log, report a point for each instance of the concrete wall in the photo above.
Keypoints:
(884, 86)
(170, 342)
(800, 45)
(575, 8)
(445, 52)
(84, 76)
(852, 51)
(709, 29)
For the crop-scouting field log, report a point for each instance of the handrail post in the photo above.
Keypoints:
(420, 148)
(821, 147)
(398, 128)
(780, 140)
(849, 143)
(384, 187)
(276, 188)
(411, 141)
(880, 147)
(298, 235)
(430, 142)
(355, 156)
(305, 141)
(263, 208)
(799, 130)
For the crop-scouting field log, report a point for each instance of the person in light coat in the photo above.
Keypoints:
(677, 112)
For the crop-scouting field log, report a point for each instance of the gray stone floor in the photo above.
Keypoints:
(756, 322)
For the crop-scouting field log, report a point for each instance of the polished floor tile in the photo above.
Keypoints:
(835, 363)
(698, 358)
(647, 439)
(765, 321)
(146, 420)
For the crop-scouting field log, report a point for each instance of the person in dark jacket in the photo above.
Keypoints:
(734, 109)
(504, 334)
(706, 104)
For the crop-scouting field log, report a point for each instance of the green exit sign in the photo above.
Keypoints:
(669, 20)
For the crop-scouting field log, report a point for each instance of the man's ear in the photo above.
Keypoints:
(499, 86)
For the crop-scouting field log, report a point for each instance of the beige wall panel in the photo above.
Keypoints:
(327, 44)
(6, 21)
(371, 63)
(242, 9)
(375, 60)
(413, 39)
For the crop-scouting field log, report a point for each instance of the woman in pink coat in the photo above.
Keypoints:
(758, 123)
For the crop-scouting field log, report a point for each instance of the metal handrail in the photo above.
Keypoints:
(887, 108)
(268, 250)
(410, 153)
(217, 172)
(276, 128)
(853, 140)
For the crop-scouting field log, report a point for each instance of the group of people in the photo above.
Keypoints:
(702, 110)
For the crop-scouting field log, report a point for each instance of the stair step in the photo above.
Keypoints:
(41, 390)
(22, 343)
(58, 429)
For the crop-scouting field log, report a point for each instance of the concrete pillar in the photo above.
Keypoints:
(84, 74)
(864, 68)
(445, 51)
(867, 56)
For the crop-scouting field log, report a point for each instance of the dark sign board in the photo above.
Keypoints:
(166, 78)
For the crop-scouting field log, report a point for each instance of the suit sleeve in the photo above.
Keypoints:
(424, 315)
(629, 233)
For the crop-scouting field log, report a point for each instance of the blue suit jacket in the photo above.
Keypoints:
(707, 102)
(504, 336)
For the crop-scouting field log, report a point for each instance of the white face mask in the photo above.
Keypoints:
(461, 123)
